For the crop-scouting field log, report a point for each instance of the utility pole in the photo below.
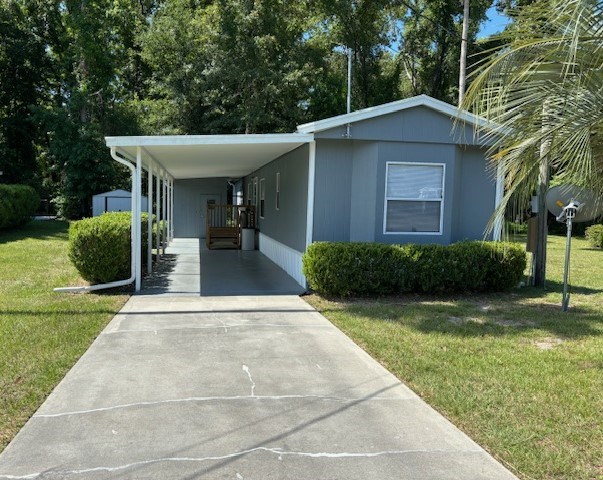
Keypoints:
(463, 59)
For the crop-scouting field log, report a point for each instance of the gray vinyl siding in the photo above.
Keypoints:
(332, 190)
(349, 199)
(286, 225)
(187, 203)
(418, 125)
(475, 193)
(364, 202)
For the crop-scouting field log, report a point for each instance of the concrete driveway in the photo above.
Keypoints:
(236, 388)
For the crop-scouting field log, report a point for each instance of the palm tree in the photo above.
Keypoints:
(542, 92)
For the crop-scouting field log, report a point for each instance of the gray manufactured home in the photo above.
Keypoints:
(394, 173)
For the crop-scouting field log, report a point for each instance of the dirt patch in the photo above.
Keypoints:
(458, 321)
(514, 323)
(549, 343)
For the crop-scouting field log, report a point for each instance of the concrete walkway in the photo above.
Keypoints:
(189, 268)
(264, 388)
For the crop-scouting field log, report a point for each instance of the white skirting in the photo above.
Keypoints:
(288, 259)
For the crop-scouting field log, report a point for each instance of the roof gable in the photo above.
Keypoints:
(392, 107)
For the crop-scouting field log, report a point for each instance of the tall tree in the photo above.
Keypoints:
(94, 59)
(431, 43)
(367, 27)
(543, 92)
(230, 66)
(23, 70)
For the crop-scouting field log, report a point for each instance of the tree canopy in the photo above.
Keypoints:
(543, 90)
(72, 72)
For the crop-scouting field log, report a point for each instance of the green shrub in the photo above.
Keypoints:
(344, 269)
(352, 268)
(517, 228)
(18, 203)
(99, 247)
(594, 235)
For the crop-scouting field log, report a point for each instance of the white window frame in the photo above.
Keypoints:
(262, 206)
(277, 198)
(441, 200)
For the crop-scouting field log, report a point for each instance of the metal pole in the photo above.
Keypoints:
(568, 244)
(349, 102)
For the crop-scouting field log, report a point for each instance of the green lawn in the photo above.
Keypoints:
(42, 333)
(522, 378)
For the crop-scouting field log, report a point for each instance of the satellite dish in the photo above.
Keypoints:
(588, 205)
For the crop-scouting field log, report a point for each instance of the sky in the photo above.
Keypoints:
(496, 23)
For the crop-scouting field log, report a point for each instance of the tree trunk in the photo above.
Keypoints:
(543, 185)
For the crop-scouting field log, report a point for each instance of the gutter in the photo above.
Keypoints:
(128, 281)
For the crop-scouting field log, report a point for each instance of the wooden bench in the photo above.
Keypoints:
(223, 237)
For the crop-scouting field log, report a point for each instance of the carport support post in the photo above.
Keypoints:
(167, 208)
(164, 213)
(158, 215)
(172, 212)
(138, 220)
(310, 203)
(150, 217)
(171, 209)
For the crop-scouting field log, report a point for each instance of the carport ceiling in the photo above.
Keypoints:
(203, 156)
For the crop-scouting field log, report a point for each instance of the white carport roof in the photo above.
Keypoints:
(202, 156)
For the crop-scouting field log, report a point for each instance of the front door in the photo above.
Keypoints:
(205, 201)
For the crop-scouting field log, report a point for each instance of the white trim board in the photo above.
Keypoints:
(287, 258)
(234, 139)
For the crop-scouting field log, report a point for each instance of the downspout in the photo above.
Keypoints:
(118, 283)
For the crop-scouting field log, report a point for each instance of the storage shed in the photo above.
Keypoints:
(114, 201)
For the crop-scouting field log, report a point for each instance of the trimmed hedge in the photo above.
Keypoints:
(344, 269)
(99, 247)
(594, 235)
(18, 203)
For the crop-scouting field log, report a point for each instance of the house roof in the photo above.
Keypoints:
(202, 156)
(114, 193)
(392, 107)
(234, 156)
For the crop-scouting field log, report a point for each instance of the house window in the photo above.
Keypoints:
(278, 191)
(262, 196)
(414, 197)
(249, 187)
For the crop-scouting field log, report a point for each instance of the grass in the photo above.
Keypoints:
(42, 333)
(521, 377)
